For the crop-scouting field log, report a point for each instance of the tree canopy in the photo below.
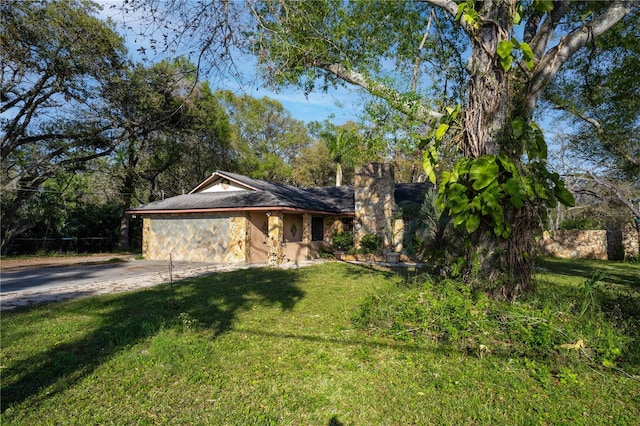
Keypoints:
(268, 139)
(54, 82)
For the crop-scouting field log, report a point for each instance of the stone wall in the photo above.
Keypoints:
(592, 244)
(630, 241)
(575, 244)
(374, 203)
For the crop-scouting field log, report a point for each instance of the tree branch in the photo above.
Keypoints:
(541, 38)
(449, 6)
(624, 200)
(570, 44)
(413, 108)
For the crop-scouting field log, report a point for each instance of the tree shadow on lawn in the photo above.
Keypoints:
(214, 301)
(624, 274)
(620, 290)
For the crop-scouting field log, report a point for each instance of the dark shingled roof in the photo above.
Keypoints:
(411, 192)
(329, 199)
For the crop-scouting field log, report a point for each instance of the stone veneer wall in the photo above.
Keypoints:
(274, 240)
(196, 238)
(630, 240)
(591, 244)
(575, 244)
(374, 203)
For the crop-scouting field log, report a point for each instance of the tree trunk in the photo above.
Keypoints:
(503, 267)
(128, 190)
(338, 174)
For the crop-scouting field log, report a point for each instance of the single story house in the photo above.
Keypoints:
(230, 218)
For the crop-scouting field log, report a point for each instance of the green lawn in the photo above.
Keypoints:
(266, 346)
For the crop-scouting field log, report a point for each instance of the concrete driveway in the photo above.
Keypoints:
(31, 284)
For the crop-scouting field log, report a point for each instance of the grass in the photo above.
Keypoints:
(266, 346)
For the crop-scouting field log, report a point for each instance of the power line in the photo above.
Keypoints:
(49, 191)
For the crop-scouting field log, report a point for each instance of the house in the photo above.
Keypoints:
(230, 218)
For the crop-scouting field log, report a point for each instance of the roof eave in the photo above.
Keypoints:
(143, 212)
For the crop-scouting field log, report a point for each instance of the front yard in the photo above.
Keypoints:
(267, 346)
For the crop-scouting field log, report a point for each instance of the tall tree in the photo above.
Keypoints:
(598, 92)
(173, 123)
(397, 51)
(314, 166)
(57, 60)
(268, 138)
(342, 143)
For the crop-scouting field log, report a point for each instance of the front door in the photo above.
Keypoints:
(259, 232)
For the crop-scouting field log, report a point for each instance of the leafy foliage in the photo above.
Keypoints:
(342, 240)
(371, 243)
(55, 79)
(561, 326)
(598, 92)
(267, 138)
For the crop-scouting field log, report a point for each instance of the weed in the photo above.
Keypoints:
(589, 292)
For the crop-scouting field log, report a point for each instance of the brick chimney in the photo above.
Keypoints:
(374, 203)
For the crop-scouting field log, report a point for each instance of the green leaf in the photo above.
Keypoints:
(528, 55)
(472, 223)
(472, 18)
(429, 167)
(474, 205)
(458, 219)
(504, 52)
(507, 164)
(458, 205)
(564, 196)
(518, 127)
(504, 48)
(506, 63)
(483, 172)
(513, 187)
(491, 202)
(543, 5)
(461, 8)
(442, 129)
(517, 17)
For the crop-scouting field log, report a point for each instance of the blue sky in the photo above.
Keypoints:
(338, 106)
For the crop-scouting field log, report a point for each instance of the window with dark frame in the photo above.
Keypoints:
(347, 224)
(317, 229)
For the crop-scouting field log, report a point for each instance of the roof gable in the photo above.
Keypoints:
(224, 191)
(221, 182)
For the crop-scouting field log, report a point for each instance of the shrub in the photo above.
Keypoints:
(342, 241)
(371, 243)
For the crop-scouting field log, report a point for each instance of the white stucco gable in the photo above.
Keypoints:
(218, 182)
(223, 185)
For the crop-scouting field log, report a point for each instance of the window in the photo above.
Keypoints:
(317, 229)
(347, 224)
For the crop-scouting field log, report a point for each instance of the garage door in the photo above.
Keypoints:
(196, 239)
